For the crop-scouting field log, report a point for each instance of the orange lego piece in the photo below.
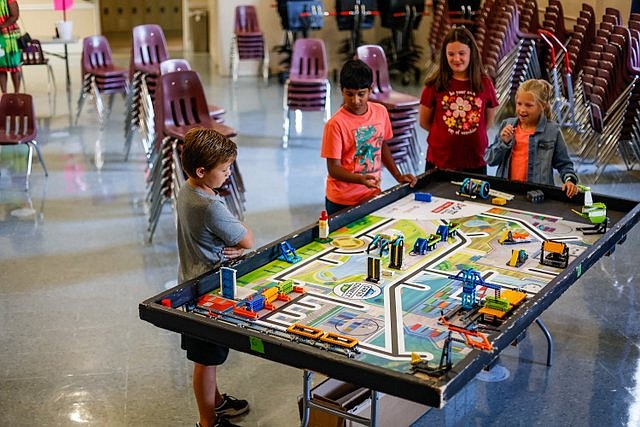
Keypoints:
(339, 340)
(305, 331)
(245, 313)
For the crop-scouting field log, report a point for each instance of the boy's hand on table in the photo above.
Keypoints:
(408, 178)
(371, 181)
(231, 252)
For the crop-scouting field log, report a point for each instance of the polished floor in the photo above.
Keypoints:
(75, 263)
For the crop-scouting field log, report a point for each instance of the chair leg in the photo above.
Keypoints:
(34, 144)
(86, 91)
(52, 80)
(235, 58)
(327, 103)
(265, 65)
(97, 98)
(286, 125)
(29, 163)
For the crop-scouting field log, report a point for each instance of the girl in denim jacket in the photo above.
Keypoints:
(529, 146)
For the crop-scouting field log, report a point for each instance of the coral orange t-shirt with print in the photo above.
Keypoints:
(357, 141)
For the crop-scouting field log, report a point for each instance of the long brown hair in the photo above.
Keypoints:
(442, 76)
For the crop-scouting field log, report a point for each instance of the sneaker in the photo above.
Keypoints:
(222, 421)
(232, 407)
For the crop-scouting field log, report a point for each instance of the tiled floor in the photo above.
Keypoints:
(74, 264)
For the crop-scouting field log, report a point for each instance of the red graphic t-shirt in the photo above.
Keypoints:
(458, 136)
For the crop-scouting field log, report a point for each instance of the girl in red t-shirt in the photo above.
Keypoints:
(457, 106)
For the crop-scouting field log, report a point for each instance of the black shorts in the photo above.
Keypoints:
(204, 352)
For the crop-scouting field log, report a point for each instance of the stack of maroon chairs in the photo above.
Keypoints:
(510, 55)
(440, 26)
(308, 87)
(402, 108)
(529, 20)
(554, 21)
(148, 50)
(100, 76)
(609, 79)
(248, 41)
(181, 105)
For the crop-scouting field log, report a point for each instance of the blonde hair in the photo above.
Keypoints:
(541, 90)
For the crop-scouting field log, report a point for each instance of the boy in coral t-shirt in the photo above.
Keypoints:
(354, 145)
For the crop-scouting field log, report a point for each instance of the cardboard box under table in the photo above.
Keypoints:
(354, 401)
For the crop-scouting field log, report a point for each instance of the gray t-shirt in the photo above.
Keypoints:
(205, 227)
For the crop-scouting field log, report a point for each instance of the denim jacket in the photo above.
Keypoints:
(547, 151)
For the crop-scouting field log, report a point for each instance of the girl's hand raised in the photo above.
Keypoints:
(507, 133)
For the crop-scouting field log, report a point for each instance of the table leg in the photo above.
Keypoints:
(547, 335)
(306, 397)
(66, 64)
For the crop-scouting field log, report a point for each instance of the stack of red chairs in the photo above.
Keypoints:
(248, 41)
(510, 55)
(148, 50)
(402, 108)
(610, 88)
(180, 106)
(308, 87)
(100, 76)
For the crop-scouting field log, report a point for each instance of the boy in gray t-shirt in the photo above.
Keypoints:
(208, 234)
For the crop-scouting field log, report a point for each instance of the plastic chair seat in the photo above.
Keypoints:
(179, 132)
(33, 55)
(111, 72)
(179, 64)
(395, 99)
(18, 126)
(250, 34)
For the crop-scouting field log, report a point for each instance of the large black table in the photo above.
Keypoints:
(370, 367)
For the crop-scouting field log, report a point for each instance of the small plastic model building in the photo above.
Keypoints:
(288, 254)
(518, 257)
(501, 201)
(554, 254)
(511, 238)
(373, 269)
(228, 282)
(397, 253)
(535, 196)
(596, 213)
(379, 242)
(422, 197)
(423, 245)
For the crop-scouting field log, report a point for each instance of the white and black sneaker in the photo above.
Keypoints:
(232, 407)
